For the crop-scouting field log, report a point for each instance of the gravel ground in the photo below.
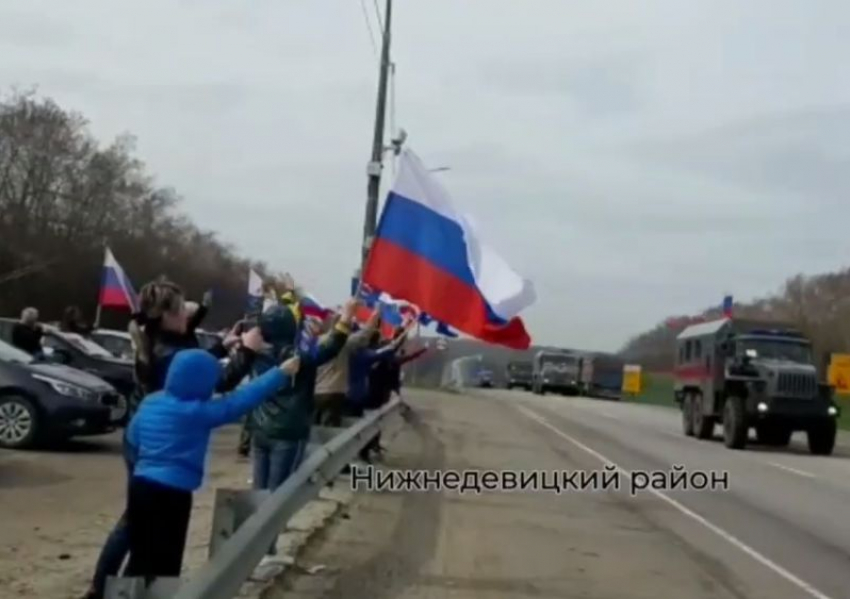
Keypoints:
(57, 506)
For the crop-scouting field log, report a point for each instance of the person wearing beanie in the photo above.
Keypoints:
(280, 427)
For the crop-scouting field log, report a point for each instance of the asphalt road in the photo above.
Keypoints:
(780, 530)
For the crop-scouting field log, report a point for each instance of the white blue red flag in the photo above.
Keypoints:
(728, 304)
(116, 290)
(428, 253)
(311, 307)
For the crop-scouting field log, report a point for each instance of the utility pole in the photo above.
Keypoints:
(376, 164)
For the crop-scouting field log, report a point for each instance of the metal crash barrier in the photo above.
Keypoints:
(245, 521)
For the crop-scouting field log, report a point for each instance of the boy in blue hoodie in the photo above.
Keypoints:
(169, 437)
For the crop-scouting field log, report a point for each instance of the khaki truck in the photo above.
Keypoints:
(745, 374)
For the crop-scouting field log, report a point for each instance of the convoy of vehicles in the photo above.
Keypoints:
(601, 376)
(41, 402)
(747, 374)
(519, 375)
(556, 371)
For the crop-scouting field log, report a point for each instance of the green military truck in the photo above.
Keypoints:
(745, 374)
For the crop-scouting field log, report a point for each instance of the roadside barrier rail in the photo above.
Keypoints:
(246, 522)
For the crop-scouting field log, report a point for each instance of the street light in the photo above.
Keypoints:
(439, 169)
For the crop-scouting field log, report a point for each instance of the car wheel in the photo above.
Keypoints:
(120, 414)
(19, 422)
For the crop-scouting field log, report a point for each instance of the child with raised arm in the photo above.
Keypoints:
(169, 436)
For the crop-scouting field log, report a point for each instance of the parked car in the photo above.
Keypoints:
(42, 402)
(118, 343)
(76, 351)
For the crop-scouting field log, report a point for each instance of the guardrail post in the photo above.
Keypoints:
(232, 507)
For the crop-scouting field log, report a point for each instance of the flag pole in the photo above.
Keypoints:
(98, 310)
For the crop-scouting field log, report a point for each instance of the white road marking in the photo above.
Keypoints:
(792, 470)
(728, 537)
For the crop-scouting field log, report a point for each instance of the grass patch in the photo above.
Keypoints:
(658, 390)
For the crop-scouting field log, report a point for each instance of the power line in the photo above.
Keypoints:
(380, 18)
(369, 27)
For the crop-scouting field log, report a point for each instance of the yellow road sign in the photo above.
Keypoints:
(631, 379)
(839, 373)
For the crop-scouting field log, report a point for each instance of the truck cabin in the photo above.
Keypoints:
(771, 345)
(554, 362)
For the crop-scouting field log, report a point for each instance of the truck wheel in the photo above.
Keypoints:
(735, 427)
(822, 438)
(703, 425)
(687, 415)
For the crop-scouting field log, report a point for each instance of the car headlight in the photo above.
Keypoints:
(67, 389)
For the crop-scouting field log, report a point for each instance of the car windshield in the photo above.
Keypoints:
(774, 349)
(87, 346)
(10, 353)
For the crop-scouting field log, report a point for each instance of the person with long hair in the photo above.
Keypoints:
(161, 328)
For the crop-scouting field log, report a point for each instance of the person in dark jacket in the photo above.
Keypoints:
(363, 361)
(384, 380)
(73, 322)
(280, 427)
(27, 334)
(163, 327)
(170, 437)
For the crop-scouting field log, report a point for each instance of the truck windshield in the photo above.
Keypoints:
(557, 363)
(519, 368)
(775, 349)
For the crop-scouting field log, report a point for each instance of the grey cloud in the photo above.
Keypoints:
(596, 86)
(633, 159)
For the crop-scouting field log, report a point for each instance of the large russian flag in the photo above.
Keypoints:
(426, 252)
(116, 290)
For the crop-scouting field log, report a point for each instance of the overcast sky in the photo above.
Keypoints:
(634, 159)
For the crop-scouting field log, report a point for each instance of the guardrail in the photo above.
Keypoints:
(245, 522)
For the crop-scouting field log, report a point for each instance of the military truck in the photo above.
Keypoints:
(519, 374)
(747, 374)
(556, 371)
(601, 376)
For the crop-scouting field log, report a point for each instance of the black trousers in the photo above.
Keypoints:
(157, 523)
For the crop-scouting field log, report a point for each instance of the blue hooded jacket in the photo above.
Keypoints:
(171, 431)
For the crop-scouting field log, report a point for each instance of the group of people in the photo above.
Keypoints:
(300, 372)
(28, 332)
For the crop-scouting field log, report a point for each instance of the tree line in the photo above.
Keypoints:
(64, 196)
(817, 305)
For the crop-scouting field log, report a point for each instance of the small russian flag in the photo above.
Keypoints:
(727, 306)
(116, 290)
(310, 306)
